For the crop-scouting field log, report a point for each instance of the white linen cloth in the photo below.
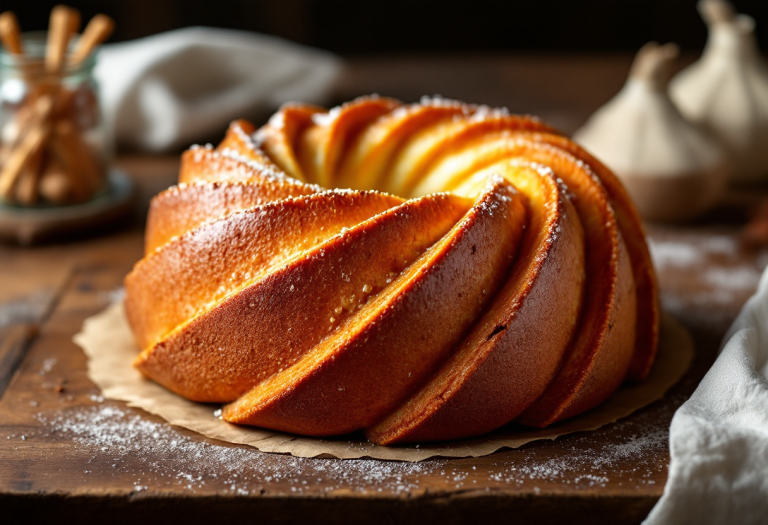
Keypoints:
(171, 89)
(719, 437)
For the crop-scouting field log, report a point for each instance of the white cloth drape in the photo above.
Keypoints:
(719, 437)
(169, 90)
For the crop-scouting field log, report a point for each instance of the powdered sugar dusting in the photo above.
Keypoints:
(154, 454)
(704, 274)
(690, 250)
(24, 309)
(179, 459)
(634, 459)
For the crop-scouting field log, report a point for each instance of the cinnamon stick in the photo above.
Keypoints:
(10, 34)
(30, 141)
(60, 31)
(26, 186)
(74, 21)
(97, 31)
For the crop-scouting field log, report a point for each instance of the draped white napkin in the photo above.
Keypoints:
(719, 437)
(172, 89)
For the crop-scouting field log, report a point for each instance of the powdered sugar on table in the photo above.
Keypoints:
(170, 457)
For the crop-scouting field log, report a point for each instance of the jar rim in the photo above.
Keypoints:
(34, 44)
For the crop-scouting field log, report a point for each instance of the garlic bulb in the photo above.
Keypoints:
(727, 90)
(671, 168)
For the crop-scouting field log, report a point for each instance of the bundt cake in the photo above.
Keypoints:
(418, 272)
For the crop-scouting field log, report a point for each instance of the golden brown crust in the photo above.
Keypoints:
(366, 159)
(646, 288)
(279, 138)
(269, 324)
(603, 347)
(206, 164)
(216, 259)
(182, 208)
(321, 147)
(431, 144)
(323, 313)
(351, 380)
(239, 141)
(514, 350)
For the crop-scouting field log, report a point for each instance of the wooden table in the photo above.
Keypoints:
(68, 455)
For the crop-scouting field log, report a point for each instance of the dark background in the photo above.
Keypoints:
(356, 27)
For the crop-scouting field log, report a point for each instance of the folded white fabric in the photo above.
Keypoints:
(719, 437)
(169, 90)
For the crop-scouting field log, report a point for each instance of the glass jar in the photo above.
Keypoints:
(53, 143)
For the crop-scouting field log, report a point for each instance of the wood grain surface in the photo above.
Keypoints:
(68, 455)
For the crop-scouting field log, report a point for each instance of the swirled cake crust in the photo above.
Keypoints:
(418, 272)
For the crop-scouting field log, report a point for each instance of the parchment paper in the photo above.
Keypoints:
(107, 341)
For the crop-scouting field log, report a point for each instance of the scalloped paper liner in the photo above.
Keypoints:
(108, 343)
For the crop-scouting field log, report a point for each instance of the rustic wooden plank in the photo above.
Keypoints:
(30, 290)
(13, 343)
(448, 510)
(30, 286)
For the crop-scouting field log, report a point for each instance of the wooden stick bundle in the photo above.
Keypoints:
(49, 156)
